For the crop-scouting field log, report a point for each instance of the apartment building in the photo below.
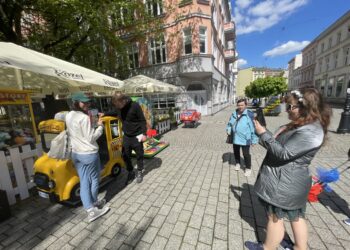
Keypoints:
(294, 72)
(196, 51)
(308, 65)
(332, 72)
(248, 75)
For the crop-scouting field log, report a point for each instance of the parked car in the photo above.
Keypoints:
(190, 117)
(58, 180)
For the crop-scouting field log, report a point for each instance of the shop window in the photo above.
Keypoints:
(187, 38)
(340, 83)
(203, 39)
(157, 51)
(133, 52)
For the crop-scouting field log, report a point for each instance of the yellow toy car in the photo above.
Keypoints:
(58, 180)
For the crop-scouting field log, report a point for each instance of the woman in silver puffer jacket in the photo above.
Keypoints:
(284, 180)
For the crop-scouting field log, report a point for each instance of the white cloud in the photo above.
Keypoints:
(250, 17)
(241, 62)
(243, 3)
(286, 48)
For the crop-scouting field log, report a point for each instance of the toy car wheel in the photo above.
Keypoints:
(116, 170)
(75, 193)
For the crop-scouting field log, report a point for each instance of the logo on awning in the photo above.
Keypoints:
(68, 75)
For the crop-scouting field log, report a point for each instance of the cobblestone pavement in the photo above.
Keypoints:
(191, 198)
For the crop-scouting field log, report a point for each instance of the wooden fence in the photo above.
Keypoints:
(16, 170)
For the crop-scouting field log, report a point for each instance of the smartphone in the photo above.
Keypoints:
(260, 116)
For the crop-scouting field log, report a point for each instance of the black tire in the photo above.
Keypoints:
(75, 193)
(116, 170)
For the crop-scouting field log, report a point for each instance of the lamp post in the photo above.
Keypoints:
(344, 124)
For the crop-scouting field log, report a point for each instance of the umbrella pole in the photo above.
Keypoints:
(19, 79)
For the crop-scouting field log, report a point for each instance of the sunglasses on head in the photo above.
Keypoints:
(292, 106)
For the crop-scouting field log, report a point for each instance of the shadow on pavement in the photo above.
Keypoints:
(114, 187)
(250, 209)
(335, 203)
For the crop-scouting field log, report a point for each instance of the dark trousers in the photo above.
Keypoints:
(246, 155)
(129, 144)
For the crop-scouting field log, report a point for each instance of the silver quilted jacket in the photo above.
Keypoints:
(284, 179)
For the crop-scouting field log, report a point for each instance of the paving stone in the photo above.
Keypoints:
(191, 236)
(221, 218)
(195, 221)
(150, 234)
(44, 244)
(61, 243)
(220, 231)
(185, 216)
(174, 242)
(206, 235)
(159, 243)
(116, 242)
(80, 237)
(220, 244)
(235, 242)
(202, 246)
(172, 217)
(208, 221)
(142, 246)
(158, 221)
(166, 230)
(186, 246)
(28, 236)
(180, 228)
(13, 237)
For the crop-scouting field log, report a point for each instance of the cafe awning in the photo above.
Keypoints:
(26, 69)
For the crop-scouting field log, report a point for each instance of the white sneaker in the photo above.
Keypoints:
(94, 213)
(247, 172)
(238, 167)
(347, 221)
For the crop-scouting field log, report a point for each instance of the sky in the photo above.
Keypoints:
(271, 32)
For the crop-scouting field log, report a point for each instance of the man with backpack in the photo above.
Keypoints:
(241, 128)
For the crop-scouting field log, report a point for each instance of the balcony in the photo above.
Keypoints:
(229, 29)
(230, 55)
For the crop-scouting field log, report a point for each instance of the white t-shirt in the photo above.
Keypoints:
(83, 137)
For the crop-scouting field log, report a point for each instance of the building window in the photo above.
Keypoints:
(203, 39)
(133, 52)
(323, 83)
(154, 7)
(330, 86)
(187, 36)
(318, 84)
(330, 43)
(320, 66)
(336, 59)
(158, 51)
(346, 56)
(322, 47)
(327, 64)
(340, 83)
(338, 37)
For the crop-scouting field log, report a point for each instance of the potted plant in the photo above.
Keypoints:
(173, 122)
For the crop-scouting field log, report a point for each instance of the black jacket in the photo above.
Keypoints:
(133, 119)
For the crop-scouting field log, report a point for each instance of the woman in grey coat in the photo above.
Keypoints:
(284, 179)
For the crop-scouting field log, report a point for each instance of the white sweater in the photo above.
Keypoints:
(83, 137)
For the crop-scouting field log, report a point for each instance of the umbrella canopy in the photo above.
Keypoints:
(22, 68)
(141, 84)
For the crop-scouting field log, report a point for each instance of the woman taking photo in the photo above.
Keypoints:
(284, 179)
(85, 154)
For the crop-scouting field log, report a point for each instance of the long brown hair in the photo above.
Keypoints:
(311, 108)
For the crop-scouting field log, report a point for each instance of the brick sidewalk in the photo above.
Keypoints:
(190, 199)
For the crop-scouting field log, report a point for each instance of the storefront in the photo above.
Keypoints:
(17, 125)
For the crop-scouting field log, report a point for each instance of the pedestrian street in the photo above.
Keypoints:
(191, 198)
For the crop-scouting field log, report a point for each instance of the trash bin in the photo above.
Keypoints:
(5, 212)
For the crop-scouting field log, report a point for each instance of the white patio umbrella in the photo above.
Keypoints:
(22, 68)
(141, 84)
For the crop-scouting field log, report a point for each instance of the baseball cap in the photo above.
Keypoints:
(80, 97)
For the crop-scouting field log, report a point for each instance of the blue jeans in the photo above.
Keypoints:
(88, 167)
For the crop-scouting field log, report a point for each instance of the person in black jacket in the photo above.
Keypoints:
(134, 128)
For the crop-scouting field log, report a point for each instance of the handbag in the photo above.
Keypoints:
(60, 147)
(229, 138)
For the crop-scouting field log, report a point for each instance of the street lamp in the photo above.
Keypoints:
(344, 124)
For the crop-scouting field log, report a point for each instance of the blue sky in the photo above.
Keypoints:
(271, 32)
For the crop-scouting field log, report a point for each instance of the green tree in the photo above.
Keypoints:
(264, 87)
(95, 34)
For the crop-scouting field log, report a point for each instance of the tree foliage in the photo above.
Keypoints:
(92, 33)
(263, 87)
